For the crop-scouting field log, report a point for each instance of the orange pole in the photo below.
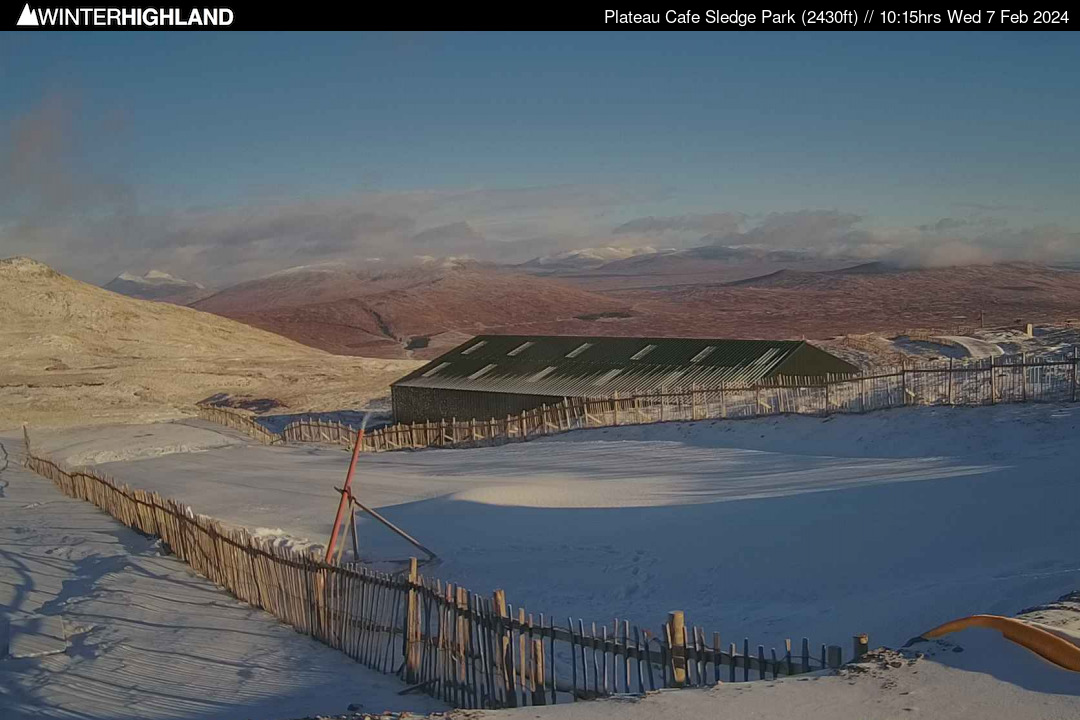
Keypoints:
(345, 493)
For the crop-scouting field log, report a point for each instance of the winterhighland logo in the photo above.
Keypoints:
(124, 17)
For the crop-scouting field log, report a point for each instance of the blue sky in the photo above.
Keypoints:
(900, 130)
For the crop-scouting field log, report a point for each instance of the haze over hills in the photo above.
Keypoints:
(157, 285)
(71, 352)
(704, 264)
(421, 310)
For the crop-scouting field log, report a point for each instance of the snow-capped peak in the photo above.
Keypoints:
(598, 255)
(155, 277)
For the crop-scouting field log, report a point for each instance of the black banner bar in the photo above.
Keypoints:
(230, 15)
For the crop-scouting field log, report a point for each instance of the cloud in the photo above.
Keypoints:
(222, 245)
(45, 171)
(48, 179)
(823, 232)
(450, 239)
(58, 205)
(944, 224)
(996, 207)
(948, 224)
(1044, 244)
(702, 224)
(947, 241)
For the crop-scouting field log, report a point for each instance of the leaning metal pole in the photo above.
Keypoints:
(345, 494)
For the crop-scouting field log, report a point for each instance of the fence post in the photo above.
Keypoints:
(538, 680)
(903, 382)
(1023, 376)
(993, 382)
(834, 659)
(677, 628)
(1072, 376)
(950, 381)
(412, 627)
(861, 646)
(503, 648)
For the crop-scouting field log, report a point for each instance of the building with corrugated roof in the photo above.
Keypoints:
(499, 375)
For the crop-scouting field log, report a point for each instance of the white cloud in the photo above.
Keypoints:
(58, 207)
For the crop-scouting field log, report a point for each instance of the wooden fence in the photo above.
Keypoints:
(239, 421)
(470, 650)
(988, 381)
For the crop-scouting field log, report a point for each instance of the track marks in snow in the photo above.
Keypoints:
(146, 638)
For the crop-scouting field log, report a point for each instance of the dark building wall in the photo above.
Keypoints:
(814, 364)
(412, 404)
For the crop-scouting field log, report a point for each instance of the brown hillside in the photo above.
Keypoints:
(422, 311)
(414, 311)
(76, 353)
(816, 305)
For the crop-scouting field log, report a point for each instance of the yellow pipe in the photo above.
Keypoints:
(1045, 644)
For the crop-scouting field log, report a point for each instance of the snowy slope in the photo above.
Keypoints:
(974, 675)
(146, 638)
(73, 353)
(888, 523)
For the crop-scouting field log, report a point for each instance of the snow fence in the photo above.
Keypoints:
(472, 651)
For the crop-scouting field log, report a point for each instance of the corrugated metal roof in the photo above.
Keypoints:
(601, 366)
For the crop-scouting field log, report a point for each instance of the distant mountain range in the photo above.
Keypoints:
(621, 268)
(420, 309)
(157, 285)
(587, 258)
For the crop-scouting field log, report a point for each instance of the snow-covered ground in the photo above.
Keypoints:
(888, 523)
(145, 638)
(991, 342)
(971, 675)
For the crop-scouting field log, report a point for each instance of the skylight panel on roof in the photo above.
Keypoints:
(578, 350)
(643, 352)
(609, 375)
(541, 375)
(473, 348)
(672, 377)
(482, 371)
(435, 369)
(703, 354)
(521, 348)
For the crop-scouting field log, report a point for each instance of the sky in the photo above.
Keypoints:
(222, 156)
